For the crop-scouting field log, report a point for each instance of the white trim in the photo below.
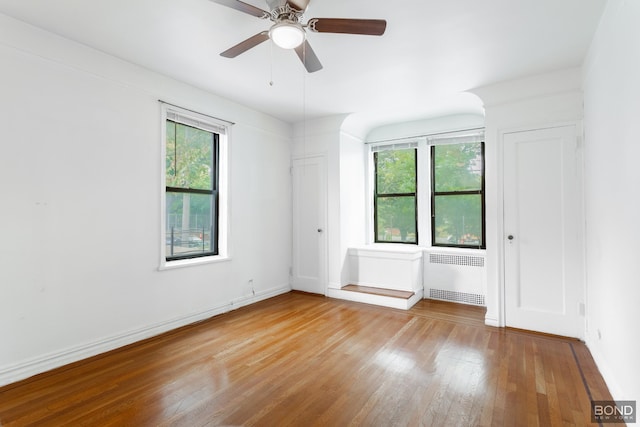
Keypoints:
(405, 144)
(390, 251)
(539, 126)
(310, 155)
(195, 119)
(492, 321)
(181, 263)
(605, 369)
(224, 161)
(47, 362)
(454, 250)
(459, 137)
(432, 135)
(423, 196)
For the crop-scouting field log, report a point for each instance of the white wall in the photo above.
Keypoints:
(529, 103)
(353, 214)
(612, 150)
(80, 206)
(322, 136)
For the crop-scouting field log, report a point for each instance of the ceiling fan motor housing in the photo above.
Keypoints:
(299, 5)
(286, 13)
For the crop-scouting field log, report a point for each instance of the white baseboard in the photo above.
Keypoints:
(604, 369)
(491, 321)
(44, 363)
(334, 285)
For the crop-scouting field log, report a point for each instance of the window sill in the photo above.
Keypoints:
(181, 263)
(387, 250)
(390, 247)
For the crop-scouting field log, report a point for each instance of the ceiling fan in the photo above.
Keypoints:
(288, 32)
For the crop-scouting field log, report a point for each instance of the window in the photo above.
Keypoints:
(457, 195)
(429, 185)
(395, 210)
(192, 186)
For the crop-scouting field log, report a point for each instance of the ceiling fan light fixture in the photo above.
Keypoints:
(287, 34)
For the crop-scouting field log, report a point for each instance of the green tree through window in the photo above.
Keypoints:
(457, 201)
(191, 191)
(395, 196)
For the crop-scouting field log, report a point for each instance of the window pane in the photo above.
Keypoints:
(458, 220)
(396, 171)
(396, 219)
(171, 153)
(189, 157)
(458, 167)
(188, 222)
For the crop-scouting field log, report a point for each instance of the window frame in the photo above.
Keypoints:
(424, 181)
(376, 196)
(214, 204)
(219, 207)
(435, 194)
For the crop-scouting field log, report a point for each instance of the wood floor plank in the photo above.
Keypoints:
(299, 359)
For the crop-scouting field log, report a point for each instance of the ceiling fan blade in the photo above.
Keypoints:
(244, 7)
(370, 27)
(300, 5)
(308, 57)
(246, 45)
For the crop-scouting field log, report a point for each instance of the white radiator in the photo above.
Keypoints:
(455, 277)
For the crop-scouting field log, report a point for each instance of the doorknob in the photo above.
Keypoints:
(510, 237)
(319, 230)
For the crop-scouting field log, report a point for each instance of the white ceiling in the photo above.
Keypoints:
(432, 52)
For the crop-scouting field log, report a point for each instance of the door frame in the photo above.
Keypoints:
(323, 268)
(501, 233)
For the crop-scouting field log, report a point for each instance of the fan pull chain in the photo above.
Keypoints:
(304, 101)
(271, 63)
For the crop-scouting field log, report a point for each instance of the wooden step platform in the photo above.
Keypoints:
(379, 291)
(393, 298)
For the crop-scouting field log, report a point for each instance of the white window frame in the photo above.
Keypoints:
(223, 129)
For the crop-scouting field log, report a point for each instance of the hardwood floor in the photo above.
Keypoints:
(303, 360)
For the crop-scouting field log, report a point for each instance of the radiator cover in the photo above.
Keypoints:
(455, 277)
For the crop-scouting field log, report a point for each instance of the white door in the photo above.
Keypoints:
(309, 225)
(543, 243)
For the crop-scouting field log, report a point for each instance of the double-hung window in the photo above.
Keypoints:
(457, 195)
(395, 211)
(192, 185)
(448, 170)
